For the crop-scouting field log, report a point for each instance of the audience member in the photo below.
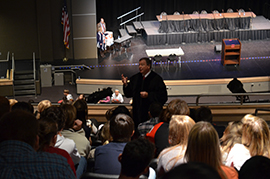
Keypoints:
(47, 139)
(203, 146)
(160, 132)
(68, 98)
(117, 97)
(232, 135)
(42, 105)
(12, 102)
(121, 129)
(179, 128)
(255, 167)
(255, 141)
(4, 106)
(192, 170)
(74, 131)
(154, 112)
(204, 114)
(81, 97)
(57, 114)
(135, 158)
(18, 158)
(23, 106)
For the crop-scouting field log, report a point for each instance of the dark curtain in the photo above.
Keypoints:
(111, 9)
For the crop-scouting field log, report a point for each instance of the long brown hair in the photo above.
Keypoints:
(203, 146)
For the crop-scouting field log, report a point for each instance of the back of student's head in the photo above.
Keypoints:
(47, 131)
(70, 114)
(175, 107)
(42, 105)
(55, 113)
(136, 157)
(120, 110)
(192, 170)
(23, 106)
(155, 109)
(4, 106)
(121, 128)
(82, 110)
(203, 114)
(255, 167)
(19, 125)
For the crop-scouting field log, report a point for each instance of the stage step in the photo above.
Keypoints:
(26, 76)
(23, 72)
(24, 83)
(131, 30)
(24, 87)
(138, 25)
(123, 32)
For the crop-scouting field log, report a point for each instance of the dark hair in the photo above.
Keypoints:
(70, 113)
(120, 110)
(121, 128)
(192, 170)
(136, 157)
(19, 125)
(4, 106)
(147, 60)
(82, 110)
(55, 113)
(23, 106)
(47, 130)
(155, 109)
(203, 114)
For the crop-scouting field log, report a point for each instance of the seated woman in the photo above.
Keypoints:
(179, 128)
(203, 146)
(42, 105)
(255, 141)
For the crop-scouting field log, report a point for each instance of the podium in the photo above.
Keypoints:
(231, 52)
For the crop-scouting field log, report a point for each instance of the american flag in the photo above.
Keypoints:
(65, 22)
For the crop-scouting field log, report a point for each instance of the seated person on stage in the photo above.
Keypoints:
(106, 156)
(135, 158)
(67, 97)
(18, 144)
(117, 97)
(154, 112)
(47, 139)
(101, 42)
(102, 25)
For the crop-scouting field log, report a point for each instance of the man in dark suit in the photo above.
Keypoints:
(145, 87)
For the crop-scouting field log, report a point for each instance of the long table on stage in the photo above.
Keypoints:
(204, 22)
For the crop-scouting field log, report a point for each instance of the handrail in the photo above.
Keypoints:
(34, 70)
(6, 59)
(13, 69)
(242, 95)
(131, 19)
(128, 13)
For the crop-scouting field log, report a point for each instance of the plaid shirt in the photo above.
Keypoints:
(146, 126)
(19, 160)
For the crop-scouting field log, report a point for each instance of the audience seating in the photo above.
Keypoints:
(90, 175)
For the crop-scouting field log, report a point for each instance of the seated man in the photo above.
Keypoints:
(117, 97)
(106, 156)
(18, 144)
(135, 158)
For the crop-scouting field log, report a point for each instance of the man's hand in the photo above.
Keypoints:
(78, 125)
(124, 79)
(144, 94)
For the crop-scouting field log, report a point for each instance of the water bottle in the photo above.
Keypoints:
(244, 13)
(79, 77)
(118, 37)
(160, 16)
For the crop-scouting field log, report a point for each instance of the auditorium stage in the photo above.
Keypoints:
(260, 29)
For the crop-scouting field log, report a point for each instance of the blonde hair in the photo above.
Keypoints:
(203, 146)
(12, 102)
(42, 105)
(179, 128)
(256, 136)
(232, 135)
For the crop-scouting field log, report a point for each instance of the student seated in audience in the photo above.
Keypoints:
(12, 102)
(204, 114)
(23, 106)
(106, 156)
(74, 131)
(160, 132)
(42, 105)
(192, 170)
(117, 97)
(57, 114)
(232, 135)
(179, 128)
(135, 158)
(154, 112)
(203, 146)
(255, 167)
(47, 139)
(4, 106)
(255, 141)
(18, 144)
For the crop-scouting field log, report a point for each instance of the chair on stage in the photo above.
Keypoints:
(230, 10)
(195, 12)
(172, 58)
(203, 12)
(176, 13)
(157, 59)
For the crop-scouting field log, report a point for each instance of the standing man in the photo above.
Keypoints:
(102, 25)
(145, 87)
